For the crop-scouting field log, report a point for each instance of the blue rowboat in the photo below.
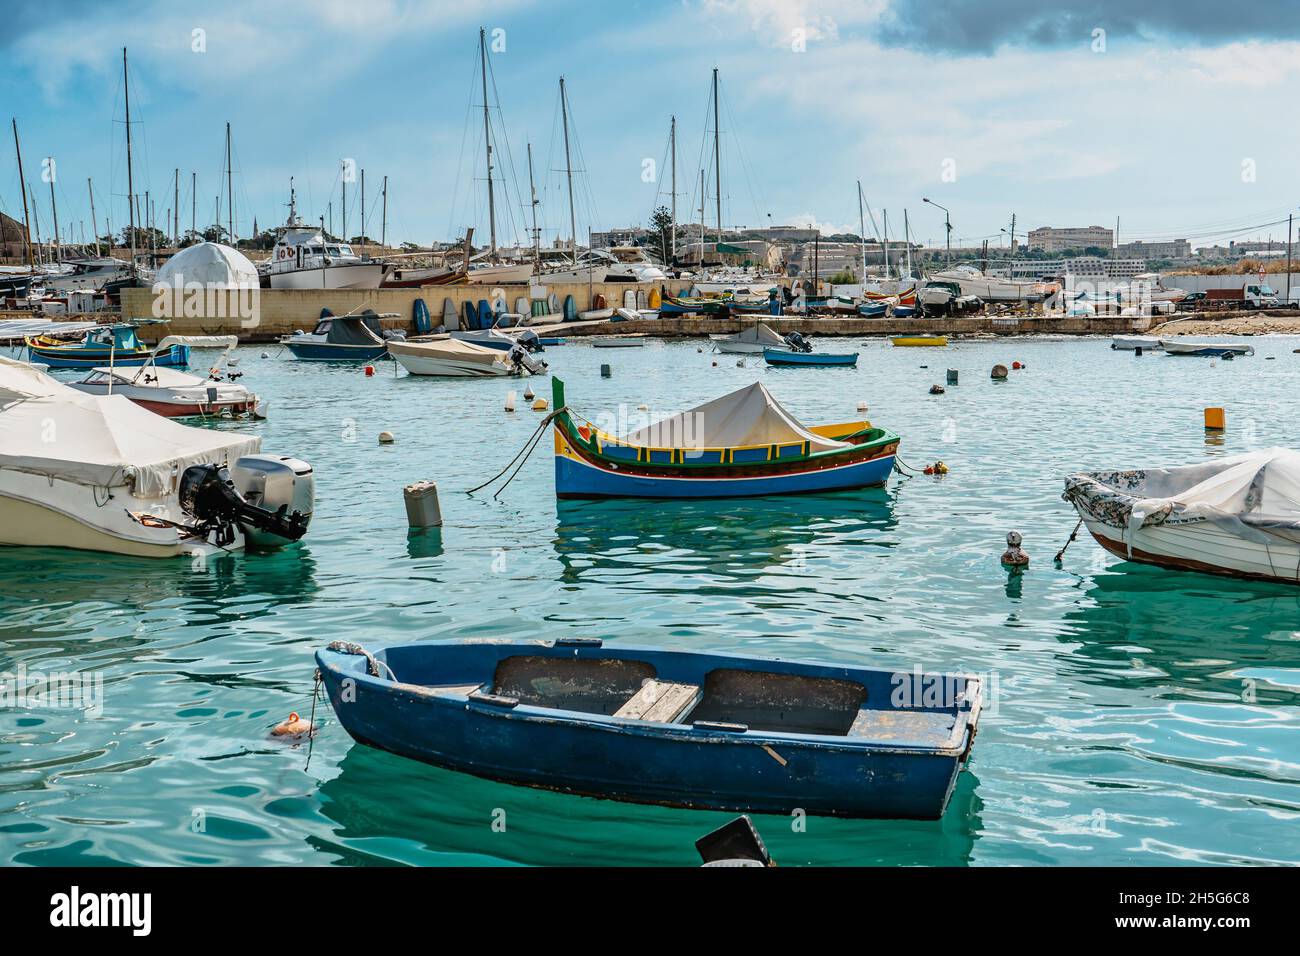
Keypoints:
(785, 357)
(339, 338)
(646, 725)
(111, 344)
(740, 445)
(873, 310)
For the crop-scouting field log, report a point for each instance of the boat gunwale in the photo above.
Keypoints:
(966, 716)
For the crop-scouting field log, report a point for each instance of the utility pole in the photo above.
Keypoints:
(94, 223)
(27, 226)
(568, 169)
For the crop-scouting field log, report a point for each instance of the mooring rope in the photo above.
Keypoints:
(1073, 534)
(901, 467)
(527, 449)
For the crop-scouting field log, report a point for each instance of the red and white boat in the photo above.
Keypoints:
(175, 394)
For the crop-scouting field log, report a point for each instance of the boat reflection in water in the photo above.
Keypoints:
(542, 828)
(738, 539)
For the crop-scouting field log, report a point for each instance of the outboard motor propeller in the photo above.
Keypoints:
(208, 493)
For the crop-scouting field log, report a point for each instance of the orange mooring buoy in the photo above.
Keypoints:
(370, 371)
(295, 726)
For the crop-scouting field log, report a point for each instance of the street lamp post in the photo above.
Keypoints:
(947, 226)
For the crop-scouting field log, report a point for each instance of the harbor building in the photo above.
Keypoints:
(1053, 239)
(1173, 249)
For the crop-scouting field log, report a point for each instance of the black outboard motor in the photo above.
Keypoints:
(520, 361)
(529, 340)
(209, 494)
(797, 342)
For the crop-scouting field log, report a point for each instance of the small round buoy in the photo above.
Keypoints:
(386, 438)
(715, 363)
(539, 405)
(740, 363)
(1014, 559)
(265, 354)
(295, 726)
(936, 389)
(643, 407)
(529, 394)
(862, 406)
(370, 371)
(1016, 365)
(700, 348)
(999, 372)
(940, 468)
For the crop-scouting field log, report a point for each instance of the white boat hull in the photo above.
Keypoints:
(38, 512)
(740, 348)
(359, 275)
(1128, 343)
(1200, 546)
(493, 274)
(420, 360)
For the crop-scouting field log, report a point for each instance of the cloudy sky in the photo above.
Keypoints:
(1174, 116)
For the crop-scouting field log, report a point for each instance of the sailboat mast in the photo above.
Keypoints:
(194, 201)
(230, 190)
(717, 153)
(130, 178)
(862, 229)
(383, 221)
(54, 208)
(701, 218)
(94, 223)
(487, 144)
(568, 170)
(907, 242)
(176, 208)
(885, 218)
(27, 222)
(363, 208)
(672, 149)
(537, 235)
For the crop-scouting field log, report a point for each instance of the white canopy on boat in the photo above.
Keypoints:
(153, 375)
(1253, 495)
(759, 334)
(210, 265)
(50, 429)
(747, 416)
(198, 341)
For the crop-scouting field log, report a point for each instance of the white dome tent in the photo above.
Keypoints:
(210, 265)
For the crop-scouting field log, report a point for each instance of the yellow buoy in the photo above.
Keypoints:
(539, 405)
(1215, 419)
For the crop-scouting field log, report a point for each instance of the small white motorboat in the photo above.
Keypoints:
(173, 393)
(1237, 516)
(1216, 349)
(122, 480)
(1130, 343)
(456, 359)
(749, 341)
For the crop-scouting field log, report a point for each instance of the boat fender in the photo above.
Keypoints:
(295, 727)
(1014, 559)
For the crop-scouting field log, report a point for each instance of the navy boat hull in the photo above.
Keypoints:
(436, 711)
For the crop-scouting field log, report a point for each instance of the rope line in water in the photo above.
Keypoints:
(527, 449)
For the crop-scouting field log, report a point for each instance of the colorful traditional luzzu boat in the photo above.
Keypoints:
(740, 445)
(108, 345)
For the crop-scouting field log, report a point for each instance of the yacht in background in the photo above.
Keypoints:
(304, 259)
(617, 264)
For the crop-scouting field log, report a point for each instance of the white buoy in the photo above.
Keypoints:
(529, 394)
(862, 406)
(643, 407)
(265, 354)
(510, 400)
(386, 438)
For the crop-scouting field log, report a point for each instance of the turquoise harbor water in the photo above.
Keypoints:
(1138, 716)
